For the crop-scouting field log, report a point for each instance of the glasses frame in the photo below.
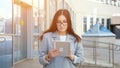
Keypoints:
(61, 23)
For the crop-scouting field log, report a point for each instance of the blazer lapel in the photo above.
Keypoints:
(69, 37)
(55, 36)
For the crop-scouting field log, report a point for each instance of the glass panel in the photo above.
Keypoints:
(35, 15)
(20, 38)
(73, 15)
(85, 24)
(119, 3)
(2, 25)
(60, 4)
(39, 20)
(35, 48)
(108, 23)
(91, 22)
(103, 21)
(53, 8)
(41, 17)
(6, 17)
(6, 53)
(35, 30)
(97, 20)
(35, 3)
(41, 4)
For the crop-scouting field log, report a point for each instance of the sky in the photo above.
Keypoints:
(6, 8)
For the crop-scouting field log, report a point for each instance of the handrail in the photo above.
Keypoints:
(116, 46)
(110, 48)
(100, 42)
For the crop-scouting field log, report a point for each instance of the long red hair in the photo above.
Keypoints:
(53, 26)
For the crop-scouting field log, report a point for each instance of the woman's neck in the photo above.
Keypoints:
(62, 33)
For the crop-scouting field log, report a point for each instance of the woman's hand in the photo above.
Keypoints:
(52, 54)
(71, 56)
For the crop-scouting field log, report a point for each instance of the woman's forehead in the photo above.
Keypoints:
(61, 17)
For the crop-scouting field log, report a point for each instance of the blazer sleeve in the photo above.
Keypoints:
(43, 50)
(78, 55)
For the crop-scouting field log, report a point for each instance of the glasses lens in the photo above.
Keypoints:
(62, 23)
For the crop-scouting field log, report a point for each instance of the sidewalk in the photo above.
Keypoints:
(33, 63)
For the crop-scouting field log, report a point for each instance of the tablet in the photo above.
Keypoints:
(63, 47)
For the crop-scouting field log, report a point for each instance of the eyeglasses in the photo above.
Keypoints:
(64, 23)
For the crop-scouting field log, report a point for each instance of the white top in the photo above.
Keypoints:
(62, 38)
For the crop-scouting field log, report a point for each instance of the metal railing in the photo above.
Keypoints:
(100, 54)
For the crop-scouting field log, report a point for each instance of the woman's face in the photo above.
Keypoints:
(62, 24)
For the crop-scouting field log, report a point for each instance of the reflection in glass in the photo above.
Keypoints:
(35, 46)
(41, 16)
(38, 27)
(97, 20)
(35, 3)
(20, 46)
(85, 24)
(53, 8)
(102, 21)
(2, 26)
(6, 17)
(35, 21)
(119, 3)
(6, 54)
(91, 22)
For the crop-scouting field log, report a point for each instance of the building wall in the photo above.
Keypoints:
(88, 8)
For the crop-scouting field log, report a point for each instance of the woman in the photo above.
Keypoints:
(60, 29)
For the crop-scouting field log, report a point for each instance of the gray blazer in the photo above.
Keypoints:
(60, 61)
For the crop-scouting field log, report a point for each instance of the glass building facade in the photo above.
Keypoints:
(21, 23)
